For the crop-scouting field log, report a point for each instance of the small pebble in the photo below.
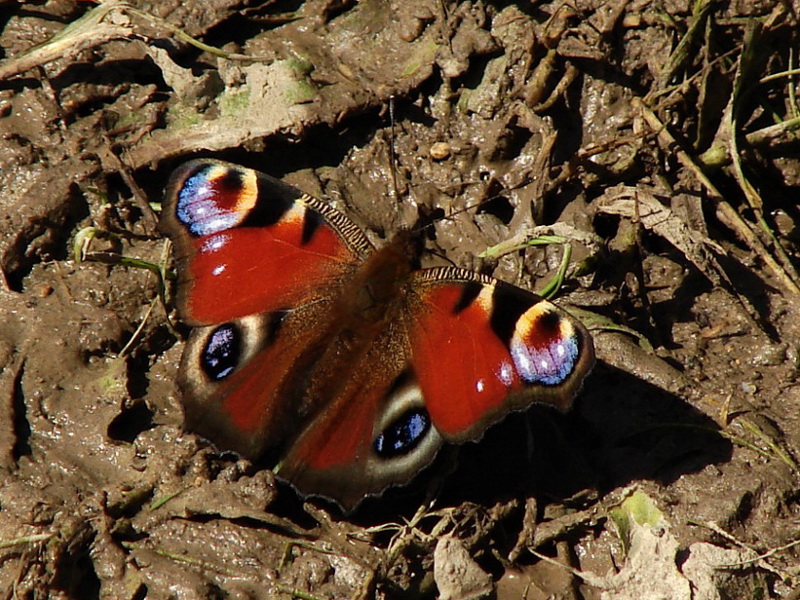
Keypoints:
(440, 151)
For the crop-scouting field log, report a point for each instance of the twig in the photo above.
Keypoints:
(725, 212)
(28, 539)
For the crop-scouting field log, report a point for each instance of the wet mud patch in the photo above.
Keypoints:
(658, 142)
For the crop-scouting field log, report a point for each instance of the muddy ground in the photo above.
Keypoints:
(656, 137)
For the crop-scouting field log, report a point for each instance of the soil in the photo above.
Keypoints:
(651, 136)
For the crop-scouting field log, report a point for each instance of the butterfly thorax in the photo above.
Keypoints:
(376, 292)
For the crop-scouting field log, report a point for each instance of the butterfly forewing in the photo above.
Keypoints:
(481, 348)
(247, 243)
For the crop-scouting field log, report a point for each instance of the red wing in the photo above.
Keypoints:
(247, 243)
(287, 388)
(374, 433)
(481, 348)
(241, 378)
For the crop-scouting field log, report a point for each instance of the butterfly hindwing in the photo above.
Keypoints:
(240, 379)
(375, 433)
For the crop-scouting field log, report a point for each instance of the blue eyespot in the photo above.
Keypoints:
(206, 202)
(222, 352)
(548, 365)
(403, 434)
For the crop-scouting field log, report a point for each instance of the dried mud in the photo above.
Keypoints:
(510, 120)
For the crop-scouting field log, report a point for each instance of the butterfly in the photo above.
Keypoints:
(338, 363)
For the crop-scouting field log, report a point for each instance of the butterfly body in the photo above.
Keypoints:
(336, 361)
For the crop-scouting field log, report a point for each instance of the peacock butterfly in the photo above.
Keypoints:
(334, 361)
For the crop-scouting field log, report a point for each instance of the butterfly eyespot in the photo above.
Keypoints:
(403, 434)
(222, 352)
(545, 348)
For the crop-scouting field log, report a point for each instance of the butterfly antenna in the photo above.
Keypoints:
(429, 221)
(476, 206)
